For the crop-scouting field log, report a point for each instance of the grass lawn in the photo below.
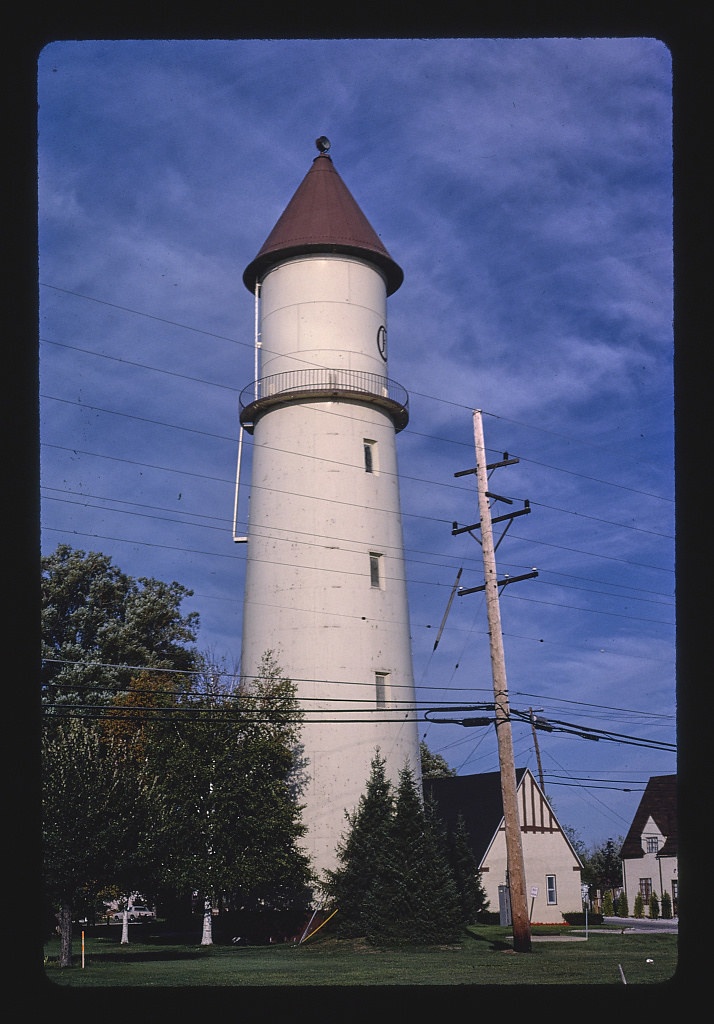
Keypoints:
(483, 958)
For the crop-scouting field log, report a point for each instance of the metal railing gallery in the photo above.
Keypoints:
(320, 379)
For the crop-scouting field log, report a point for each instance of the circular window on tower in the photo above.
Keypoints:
(382, 342)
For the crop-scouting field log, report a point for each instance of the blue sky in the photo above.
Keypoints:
(525, 188)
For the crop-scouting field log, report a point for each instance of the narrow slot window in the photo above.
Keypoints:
(370, 456)
(380, 685)
(375, 569)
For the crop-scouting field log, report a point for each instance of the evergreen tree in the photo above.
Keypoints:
(361, 851)
(413, 897)
(666, 905)
(472, 894)
(608, 908)
(433, 766)
(654, 906)
(639, 909)
(623, 908)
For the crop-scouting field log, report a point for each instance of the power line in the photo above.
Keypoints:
(149, 316)
(311, 542)
(421, 705)
(214, 554)
(251, 345)
(595, 611)
(591, 785)
(296, 716)
(131, 362)
(328, 412)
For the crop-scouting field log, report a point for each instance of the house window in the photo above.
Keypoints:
(651, 844)
(370, 456)
(551, 892)
(375, 569)
(645, 888)
(380, 684)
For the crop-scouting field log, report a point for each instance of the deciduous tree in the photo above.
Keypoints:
(100, 626)
(602, 867)
(227, 815)
(94, 813)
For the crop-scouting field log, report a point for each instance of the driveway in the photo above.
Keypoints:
(643, 924)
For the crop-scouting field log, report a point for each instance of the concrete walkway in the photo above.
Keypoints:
(616, 926)
(628, 925)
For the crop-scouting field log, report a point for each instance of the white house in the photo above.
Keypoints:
(649, 852)
(552, 866)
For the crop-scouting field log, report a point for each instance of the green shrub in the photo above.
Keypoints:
(608, 907)
(623, 909)
(666, 905)
(654, 906)
(639, 906)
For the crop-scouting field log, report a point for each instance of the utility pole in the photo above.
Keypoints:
(514, 846)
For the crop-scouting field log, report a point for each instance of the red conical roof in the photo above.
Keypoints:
(323, 216)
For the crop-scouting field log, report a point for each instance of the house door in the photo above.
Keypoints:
(675, 887)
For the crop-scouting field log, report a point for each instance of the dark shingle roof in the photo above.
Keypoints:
(477, 798)
(659, 802)
(322, 216)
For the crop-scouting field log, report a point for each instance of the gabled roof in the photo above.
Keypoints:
(477, 798)
(322, 216)
(659, 802)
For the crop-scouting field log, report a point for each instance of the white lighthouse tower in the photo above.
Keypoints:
(325, 586)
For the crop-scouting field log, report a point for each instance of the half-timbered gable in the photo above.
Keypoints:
(552, 867)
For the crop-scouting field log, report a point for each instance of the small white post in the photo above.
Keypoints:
(236, 538)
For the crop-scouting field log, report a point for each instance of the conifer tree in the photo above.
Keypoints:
(413, 898)
(654, 906)
(472, 894)
(639, 905)
(361, 851)
(433, 766)
(623, 907)
(666, 905)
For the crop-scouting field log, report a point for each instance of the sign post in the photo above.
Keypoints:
(585, 892)
(534, 893)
